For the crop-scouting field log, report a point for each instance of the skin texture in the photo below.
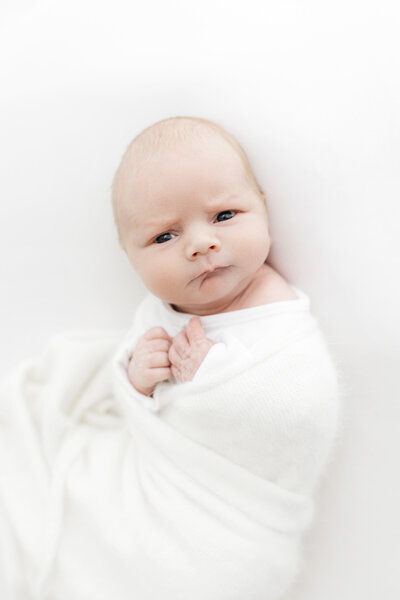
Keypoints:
(150, 363)
(173, 229)
(184, 213)
(157, 356)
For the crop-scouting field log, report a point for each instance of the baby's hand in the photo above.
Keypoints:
(149, 363)
(188, 350)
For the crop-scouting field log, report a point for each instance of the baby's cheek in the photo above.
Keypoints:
(161, 281)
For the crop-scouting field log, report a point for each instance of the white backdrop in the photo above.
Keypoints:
(311, 89)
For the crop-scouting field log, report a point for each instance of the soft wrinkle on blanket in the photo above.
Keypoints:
(185, 498)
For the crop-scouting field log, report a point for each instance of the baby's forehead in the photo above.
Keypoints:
(208, 171)
(170, 138)
(147, 165)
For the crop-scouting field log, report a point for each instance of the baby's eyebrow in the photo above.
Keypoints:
(158, 226)
(155, 226)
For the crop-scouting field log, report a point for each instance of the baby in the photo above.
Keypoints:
(181, 461)
(227, 357)
(193, 221)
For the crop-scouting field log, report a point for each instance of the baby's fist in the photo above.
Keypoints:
(150, 363)
(188, 350)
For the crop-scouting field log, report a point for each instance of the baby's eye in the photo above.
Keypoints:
(161, 238)
(227, 214)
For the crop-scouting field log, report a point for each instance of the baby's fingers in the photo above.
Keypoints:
(157, 359)
(157, 344)
(195, 331)
(161, 373)
(180, 343)
(173, 355)
(156, 333)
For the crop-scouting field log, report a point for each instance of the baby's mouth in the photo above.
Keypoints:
(214, 272)
(207, 274)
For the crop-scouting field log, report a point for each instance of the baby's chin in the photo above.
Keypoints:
(213, 304)
(219, 291)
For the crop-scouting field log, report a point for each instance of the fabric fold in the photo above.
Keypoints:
(203, 490)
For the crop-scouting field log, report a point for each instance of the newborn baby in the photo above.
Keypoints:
(193, 222)
(225, 352)
(180, 461)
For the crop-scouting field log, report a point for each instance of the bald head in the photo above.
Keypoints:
(171, 135)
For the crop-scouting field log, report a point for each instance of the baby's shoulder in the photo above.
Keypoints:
(269, 286)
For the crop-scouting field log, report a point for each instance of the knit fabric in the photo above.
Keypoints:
(202, 490)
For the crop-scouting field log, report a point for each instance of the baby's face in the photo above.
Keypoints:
(192, 212)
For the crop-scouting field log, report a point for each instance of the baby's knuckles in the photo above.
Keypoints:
(149, 363)
(185, 367)
(157, 356)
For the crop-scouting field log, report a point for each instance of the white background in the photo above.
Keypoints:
(311, 90)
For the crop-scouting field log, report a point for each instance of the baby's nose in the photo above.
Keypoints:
(201, 243)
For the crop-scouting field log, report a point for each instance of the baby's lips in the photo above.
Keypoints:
(210, 271)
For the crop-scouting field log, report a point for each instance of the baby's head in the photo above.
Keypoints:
(185, 201)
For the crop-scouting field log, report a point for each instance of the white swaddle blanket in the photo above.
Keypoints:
(202, 491)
